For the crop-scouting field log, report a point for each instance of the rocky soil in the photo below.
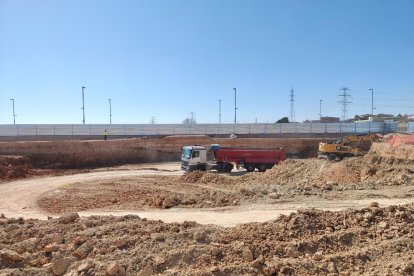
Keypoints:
(17, 167)
(14, 167)
(374, 168)
(294, 179)
(374, 240)
(371, 241)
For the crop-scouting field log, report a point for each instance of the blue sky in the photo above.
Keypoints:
(167, 58)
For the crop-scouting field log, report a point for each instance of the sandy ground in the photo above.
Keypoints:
(372, 236)
(19, 198)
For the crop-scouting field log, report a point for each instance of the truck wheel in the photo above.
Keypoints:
(331, 157)
(249, 167)
(262, 168)
(228, 167)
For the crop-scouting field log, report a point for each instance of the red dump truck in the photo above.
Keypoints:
(195, 158)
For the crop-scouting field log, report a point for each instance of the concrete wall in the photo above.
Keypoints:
(410, 127)
(203, 129)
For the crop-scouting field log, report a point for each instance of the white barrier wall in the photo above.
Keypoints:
(410, 127)
(204, 129)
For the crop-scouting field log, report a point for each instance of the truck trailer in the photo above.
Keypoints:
(223, 159)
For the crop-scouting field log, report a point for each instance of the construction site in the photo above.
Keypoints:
(126, 207)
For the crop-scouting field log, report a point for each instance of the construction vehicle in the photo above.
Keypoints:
(224, 158)
(349, 146)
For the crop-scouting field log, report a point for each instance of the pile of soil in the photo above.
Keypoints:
(205, 177)
(402, 152)
(370, 241)
(15, 167)
(383, 164)
(345, 172)
(288, 171)
(399, 139)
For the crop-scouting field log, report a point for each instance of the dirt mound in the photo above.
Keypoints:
(312, 171)
(398, 139)
(383, 165)
(344, 172)
(288, 171)
(403, 152)
(15, 167)
(204, 177)
(19, 167)
(370, 241)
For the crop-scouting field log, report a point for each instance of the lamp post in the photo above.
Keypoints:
(320, 110)
(14, 115)
(110, 111)
(219, 111)
(372, 102)
(83, 103)
(235, 106)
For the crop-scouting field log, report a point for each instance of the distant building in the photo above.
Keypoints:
(330, 120)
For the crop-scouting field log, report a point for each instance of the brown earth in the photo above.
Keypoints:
(14, 167)
(93, 153)
(292, 180)
(371, 241)
(383, 165)
(374, 240)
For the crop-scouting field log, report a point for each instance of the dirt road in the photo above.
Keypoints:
(232, 216)
(18, 199)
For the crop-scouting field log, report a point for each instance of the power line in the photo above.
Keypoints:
(192, 118)
(292, 106)
(153, 120)
(344, 101)
(402, 106)
(385, 99)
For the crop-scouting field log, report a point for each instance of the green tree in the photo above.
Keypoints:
(283, 120)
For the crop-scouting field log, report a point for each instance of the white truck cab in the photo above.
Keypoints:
(193, 158)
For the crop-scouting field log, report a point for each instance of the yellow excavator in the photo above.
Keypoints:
(351, 145)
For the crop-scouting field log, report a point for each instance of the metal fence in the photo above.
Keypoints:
(205, 129)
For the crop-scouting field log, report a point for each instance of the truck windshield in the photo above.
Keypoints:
(186, 153)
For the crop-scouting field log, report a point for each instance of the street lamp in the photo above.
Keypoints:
(110, 111)
(372, 102)
(83, 103)
(235, 111)
(235, 106)
(14, 115)
(320, 110)
(220, 111)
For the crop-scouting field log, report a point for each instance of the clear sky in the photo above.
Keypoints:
(167, 58)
